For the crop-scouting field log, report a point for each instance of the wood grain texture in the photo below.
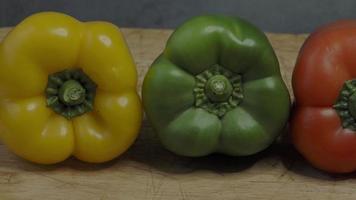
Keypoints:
(147, 171)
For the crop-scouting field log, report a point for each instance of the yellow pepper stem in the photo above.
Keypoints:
(70, 93)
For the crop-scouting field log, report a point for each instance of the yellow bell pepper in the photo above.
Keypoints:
(67, 88)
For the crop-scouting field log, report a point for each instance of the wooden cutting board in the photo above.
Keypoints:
(147, 171)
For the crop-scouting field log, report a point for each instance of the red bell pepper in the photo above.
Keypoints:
(323, 125)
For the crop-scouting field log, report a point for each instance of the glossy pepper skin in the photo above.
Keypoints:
(323, 123)
(35, 58)
(216, 87)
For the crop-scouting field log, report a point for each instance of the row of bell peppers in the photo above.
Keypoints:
(69, 88)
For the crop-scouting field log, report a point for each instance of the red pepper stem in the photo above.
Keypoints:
(352, 105)
(345, 105)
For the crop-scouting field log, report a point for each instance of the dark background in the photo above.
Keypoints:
(295, 16)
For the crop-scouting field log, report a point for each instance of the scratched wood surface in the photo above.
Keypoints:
(147, 171)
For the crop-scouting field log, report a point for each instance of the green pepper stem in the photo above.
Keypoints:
(218, 88)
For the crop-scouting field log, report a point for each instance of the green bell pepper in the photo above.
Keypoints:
(216, 88)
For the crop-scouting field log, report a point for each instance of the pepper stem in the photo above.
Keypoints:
(70, 93)
(352, 105)
(345, 105)
(218, 88)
